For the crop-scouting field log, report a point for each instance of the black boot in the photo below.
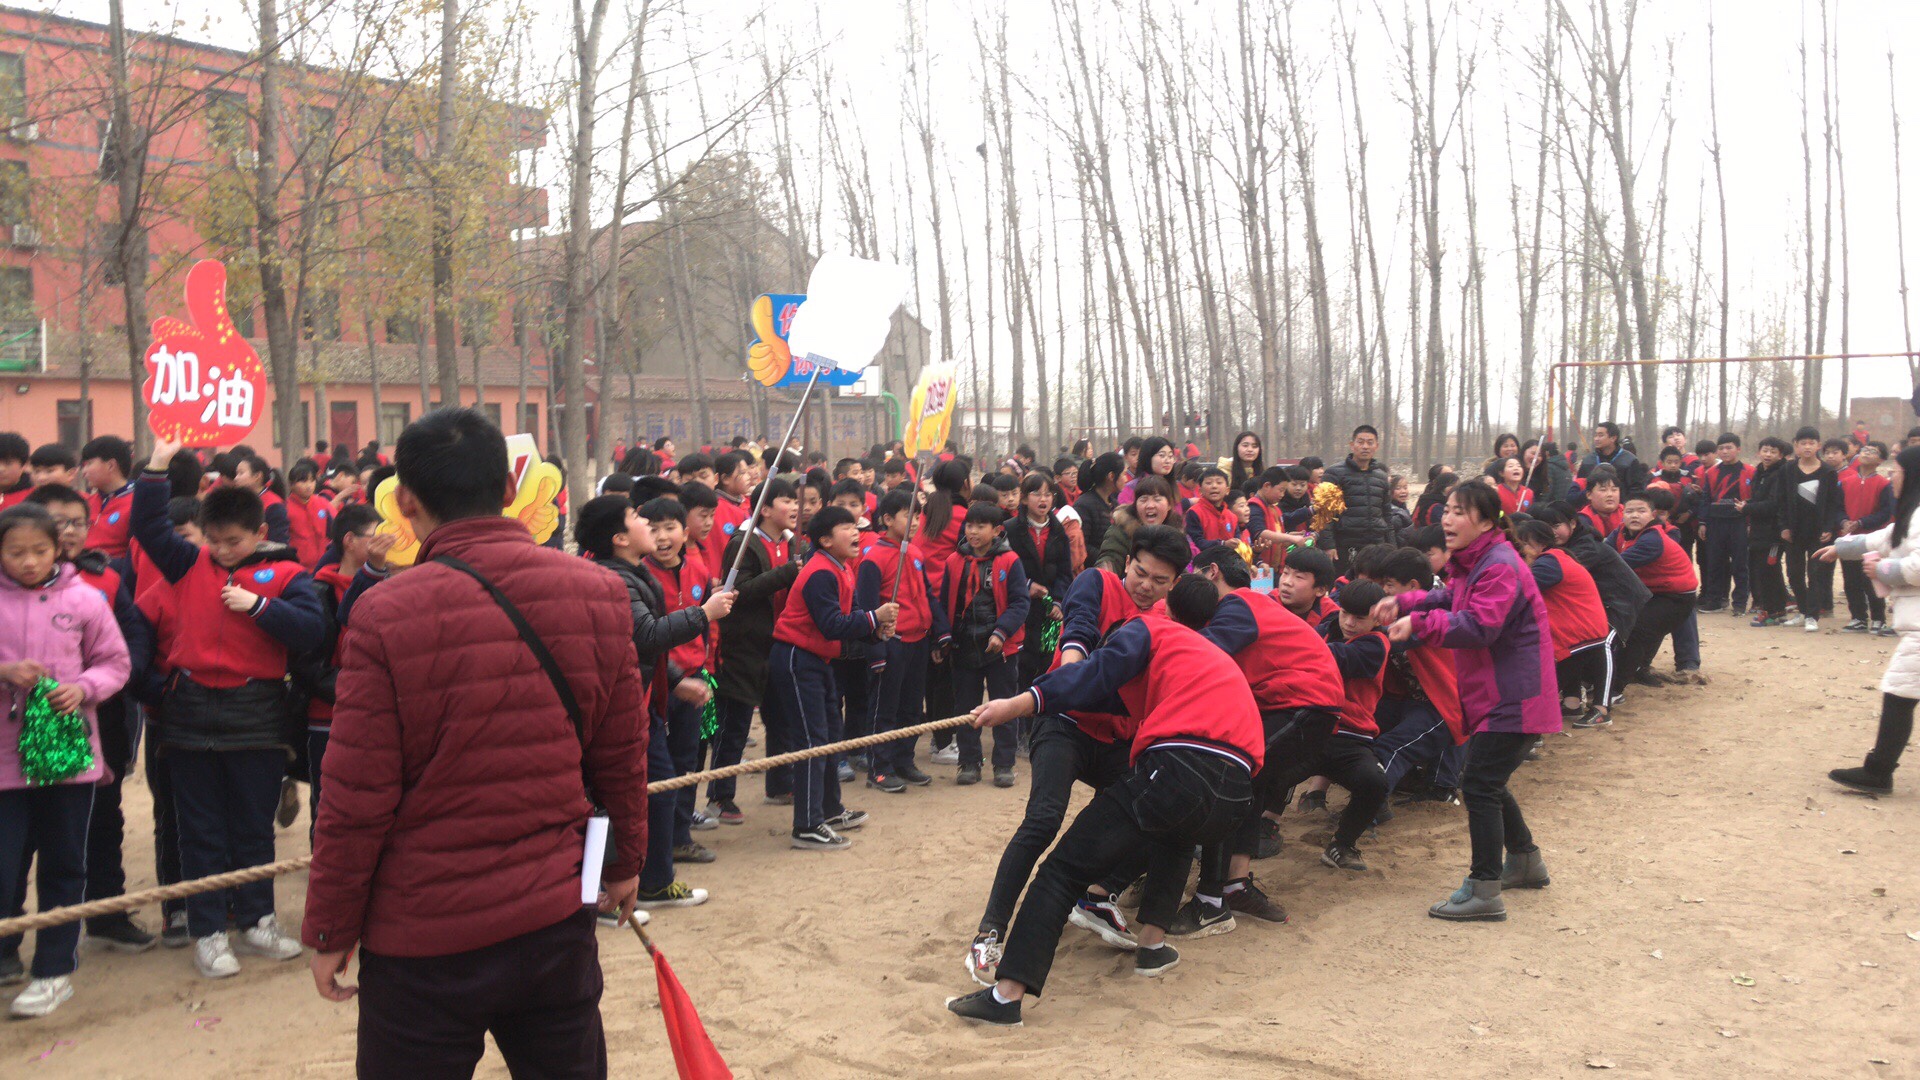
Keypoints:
(1875, 776)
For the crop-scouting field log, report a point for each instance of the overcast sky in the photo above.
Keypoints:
(1757, 44)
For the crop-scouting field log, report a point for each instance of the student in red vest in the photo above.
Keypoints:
(683, 582)
(767, 571)
(1603, 509)
(987, 600)
(243, 605)
(359, 548)
(1419, 714)
(1302, 584)
(251, 472)
(1359, 647)
(1582, 640)
(116, 718)
(1086, 745)
(1667, 573)
(1868, 500)
(106, 464)
(732, 477)
(1726, 484)
(1196, 741)
(897, 695)
(1210, 520)
(54, 463)
(850, 669)
(15, 482)
(1038, 536)
(309, 518)
(818, 616)
(1297, 687)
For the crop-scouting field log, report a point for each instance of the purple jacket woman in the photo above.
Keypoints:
(69, 628)
(1492, 616)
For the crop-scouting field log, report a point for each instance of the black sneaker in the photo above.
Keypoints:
(1197, 918)
(847, 820)
(1101, 916)
(1341, 857)
(981, 1008)
(174, 935)
(1003, 776)
(779, 800)
(1859, 779)
(860, 762)
(1593, 718)
(819, 838)
(12, 971)
(913, 775)
(968, 774)
(1314, 800)
(1248, 899)
(121, 934)
(727, 811)
(886, 782)
(1268, 844)
(1857, 626)
(1153, 963)
(693, 852)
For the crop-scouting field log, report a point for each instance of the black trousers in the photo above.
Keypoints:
(1764, 577)
(998, 679)
(1295, 740)
(896, 699)
(47, 825)
(1810, 579)
(1588, 666)
(426, 1017)
(106, 831)
(1494, 822)
(1349, 761)
(1172, 800)
(1060, 754)
(729, 744)
(1723, 562)
(225, 800)
(1863, 603)
(1662, 616)
(166, 825)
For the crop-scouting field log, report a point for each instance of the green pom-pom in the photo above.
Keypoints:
(53, 745)
(710, 712)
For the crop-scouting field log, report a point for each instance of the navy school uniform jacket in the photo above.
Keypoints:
(1177, 687)
(1363, 670)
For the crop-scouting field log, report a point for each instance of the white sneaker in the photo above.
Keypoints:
(703, 821)
(41, 997)
(1811, 626)
(213, 956)
(1794, 619)
(948, 756)
(265, 939)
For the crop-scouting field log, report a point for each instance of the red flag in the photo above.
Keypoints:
(693, 1052)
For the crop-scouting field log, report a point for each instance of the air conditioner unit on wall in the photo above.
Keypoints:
(26, 236)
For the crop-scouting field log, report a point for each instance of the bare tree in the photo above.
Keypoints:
(1900, 223)
(576, 264)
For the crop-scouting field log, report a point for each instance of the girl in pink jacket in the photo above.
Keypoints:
(55, 626)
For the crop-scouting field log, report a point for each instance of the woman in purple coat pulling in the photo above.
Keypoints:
(1491, 614)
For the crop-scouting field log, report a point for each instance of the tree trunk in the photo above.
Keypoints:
(576, 262)
(440, 195)
(283, 358)
(129, 253)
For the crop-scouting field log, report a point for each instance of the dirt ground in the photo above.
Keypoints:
(1717, 909)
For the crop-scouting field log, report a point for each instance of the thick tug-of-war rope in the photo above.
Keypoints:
(180, 890)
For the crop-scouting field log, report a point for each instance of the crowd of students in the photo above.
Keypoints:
(1204, 644)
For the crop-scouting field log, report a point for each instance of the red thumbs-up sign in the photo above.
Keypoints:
(204, 385)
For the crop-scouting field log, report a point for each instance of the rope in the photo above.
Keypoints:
(180, 890)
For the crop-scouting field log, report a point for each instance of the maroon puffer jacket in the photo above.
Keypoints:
(454, 815)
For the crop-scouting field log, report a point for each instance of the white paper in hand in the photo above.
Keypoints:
(593, 859)
(849, 309)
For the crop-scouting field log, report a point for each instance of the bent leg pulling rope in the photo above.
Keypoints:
(114, 905)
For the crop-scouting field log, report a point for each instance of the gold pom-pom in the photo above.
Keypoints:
(1240, 548)
(1329, 502)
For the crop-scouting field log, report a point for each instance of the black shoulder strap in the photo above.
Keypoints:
(540, 653)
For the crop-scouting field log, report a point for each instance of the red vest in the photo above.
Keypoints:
(795, 626)
(112, 522)
(1264, 552)
(1672, 572)
(1514, 502)
(1363, 695)
(157, 604)
(1574, 611)
(684, 586)
(1116, 607)
(1216, 523)
(1604, 525)
(1287, 666)
(307, 528)
(728, 518)
(1314, 615)
(222, 648)
(957, 583)
(1433, 667)
(939, 547)
(916, 609)
(1192, 691)
(106, 582)
(1862, 493)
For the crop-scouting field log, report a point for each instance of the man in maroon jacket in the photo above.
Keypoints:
(450, 842)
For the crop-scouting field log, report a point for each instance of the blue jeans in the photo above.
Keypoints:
(225, 800)
(803, 684)
(49, 822)
(656, 871)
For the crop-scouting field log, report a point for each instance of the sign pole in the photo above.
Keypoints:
(760, 503)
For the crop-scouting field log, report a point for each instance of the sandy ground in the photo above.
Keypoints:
(1718, 909)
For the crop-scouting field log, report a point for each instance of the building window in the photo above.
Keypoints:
(394, 418)
(476, 322)
(13, 87)
(402, 330)
(492, 411)
(16, 296)
(316, 129)
(304, 436)
(75, 419)
(14, 204)
(396, 148)
(227, 122)
(322, 317)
